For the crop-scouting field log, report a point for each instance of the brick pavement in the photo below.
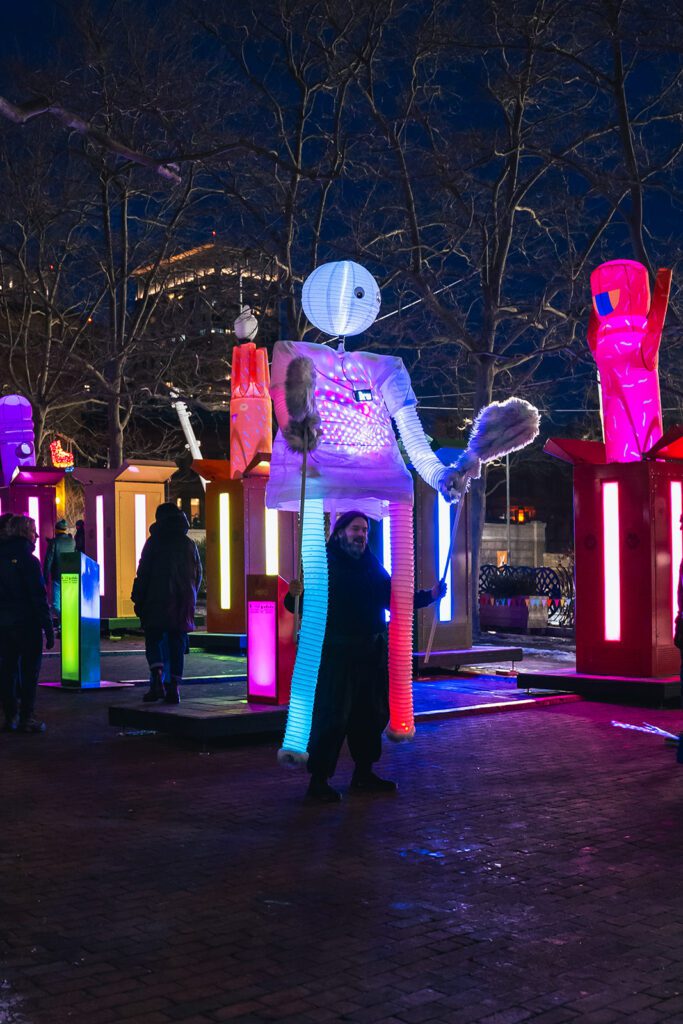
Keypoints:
(527, 871)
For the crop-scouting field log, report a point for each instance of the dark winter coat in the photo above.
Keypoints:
(23, 601)
(60, 544)
(168, 577)
(359, 595)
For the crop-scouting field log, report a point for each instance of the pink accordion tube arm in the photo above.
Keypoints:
(401, 719)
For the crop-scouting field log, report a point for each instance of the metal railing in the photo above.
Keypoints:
(506, 581)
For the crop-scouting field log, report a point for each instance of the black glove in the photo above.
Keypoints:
(49, 639)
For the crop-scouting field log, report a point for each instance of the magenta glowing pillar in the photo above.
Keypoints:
(611, 566)
(676, 504)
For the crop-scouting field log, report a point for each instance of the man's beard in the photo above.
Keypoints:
(351, 547)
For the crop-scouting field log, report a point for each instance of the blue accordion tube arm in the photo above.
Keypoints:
(305, 677)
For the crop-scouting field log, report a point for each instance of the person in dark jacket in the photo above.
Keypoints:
(352, 695)
(79, 535)
(164, 597)
(24, 616)
(60, 544)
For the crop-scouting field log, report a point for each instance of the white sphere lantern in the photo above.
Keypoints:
(341, 298)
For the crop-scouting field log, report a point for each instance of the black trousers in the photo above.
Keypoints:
(351, 702)
(166, 648)
(21, 653)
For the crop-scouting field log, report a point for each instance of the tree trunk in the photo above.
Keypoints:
(115, 432)
(483, 389)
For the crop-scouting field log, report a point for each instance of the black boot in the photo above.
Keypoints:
(31, 725)
(173, 692)
(364, 780)
(156, 686)
(321, 791)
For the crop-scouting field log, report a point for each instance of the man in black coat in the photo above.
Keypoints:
(24, 616)
(352, 695)
(164, 597)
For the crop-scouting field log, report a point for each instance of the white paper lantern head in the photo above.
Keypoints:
(246, 325)
(341, 298)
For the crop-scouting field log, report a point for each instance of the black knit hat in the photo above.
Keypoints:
(167, 511)
(346, 518)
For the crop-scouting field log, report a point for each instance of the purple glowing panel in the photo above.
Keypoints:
(16, 436)
(261, 649)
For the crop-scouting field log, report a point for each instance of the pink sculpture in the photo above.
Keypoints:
(624, 333)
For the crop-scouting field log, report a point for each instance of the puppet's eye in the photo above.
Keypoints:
(359, 293)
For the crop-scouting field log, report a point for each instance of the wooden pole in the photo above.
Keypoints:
(299, 557)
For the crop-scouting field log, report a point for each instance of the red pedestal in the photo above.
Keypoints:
(628, 552)
(270, 641)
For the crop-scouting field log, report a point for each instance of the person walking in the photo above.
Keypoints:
(60, 544)
(24, 617)
(164, 597)
(352, 695)
(79, 536)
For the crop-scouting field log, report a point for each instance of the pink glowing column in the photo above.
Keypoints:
(262, 661)
(99, 525)
(611, 565)
(401, 719)
(676, 503)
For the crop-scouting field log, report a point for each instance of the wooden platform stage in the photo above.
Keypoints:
(651, 693)
(455, 659)
(203, 718)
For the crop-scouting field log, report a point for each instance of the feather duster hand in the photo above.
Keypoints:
(304, 421)
(500, 428)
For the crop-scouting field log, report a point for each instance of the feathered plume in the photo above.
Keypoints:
(500, 428)
(304, 421)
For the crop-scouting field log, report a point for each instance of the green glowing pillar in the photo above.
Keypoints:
(80, 621)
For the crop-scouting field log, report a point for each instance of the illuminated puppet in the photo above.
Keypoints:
(16, 436)
(251, 415)
(334, 409)
(624, 333)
